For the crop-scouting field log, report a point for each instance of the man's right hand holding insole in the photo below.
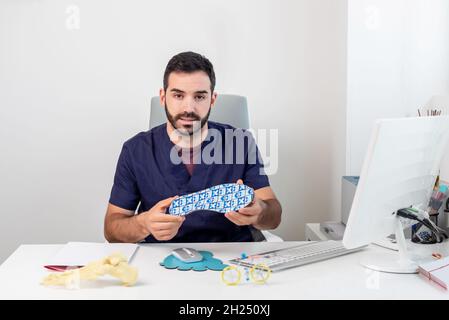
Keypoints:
(160, 225)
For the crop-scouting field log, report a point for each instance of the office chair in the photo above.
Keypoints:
(229, 109)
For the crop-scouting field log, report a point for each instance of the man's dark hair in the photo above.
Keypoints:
(190, 62)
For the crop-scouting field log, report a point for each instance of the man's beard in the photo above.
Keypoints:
(187, 129)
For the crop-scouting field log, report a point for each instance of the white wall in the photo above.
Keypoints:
(71, 96)
(397, 60)
(442, 102)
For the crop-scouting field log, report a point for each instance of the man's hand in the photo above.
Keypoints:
(160, 225)
(248, 215)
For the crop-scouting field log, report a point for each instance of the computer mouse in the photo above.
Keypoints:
(187, 255)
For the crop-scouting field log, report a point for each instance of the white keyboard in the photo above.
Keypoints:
(296, 256)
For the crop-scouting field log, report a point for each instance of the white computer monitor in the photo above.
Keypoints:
(399, 170)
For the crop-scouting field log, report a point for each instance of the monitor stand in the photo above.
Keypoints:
(393, 262)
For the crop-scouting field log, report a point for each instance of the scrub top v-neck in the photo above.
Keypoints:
(146, 175)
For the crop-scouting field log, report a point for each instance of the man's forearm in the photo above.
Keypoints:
(123, 228)
(270, 218)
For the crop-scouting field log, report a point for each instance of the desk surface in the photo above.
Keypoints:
(339, 278)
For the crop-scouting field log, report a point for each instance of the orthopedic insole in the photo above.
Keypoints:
(221, 198)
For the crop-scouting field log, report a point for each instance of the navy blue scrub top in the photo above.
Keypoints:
(146, 175)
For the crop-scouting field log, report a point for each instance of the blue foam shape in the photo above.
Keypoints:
(208, 263)
(221, 198)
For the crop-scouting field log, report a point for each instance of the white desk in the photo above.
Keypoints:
(338, 278)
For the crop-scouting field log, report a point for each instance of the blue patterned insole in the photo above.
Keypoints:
(221, 198)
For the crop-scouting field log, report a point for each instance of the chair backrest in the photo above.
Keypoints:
(229, 109)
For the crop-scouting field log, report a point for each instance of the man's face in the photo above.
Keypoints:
(188, 100)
